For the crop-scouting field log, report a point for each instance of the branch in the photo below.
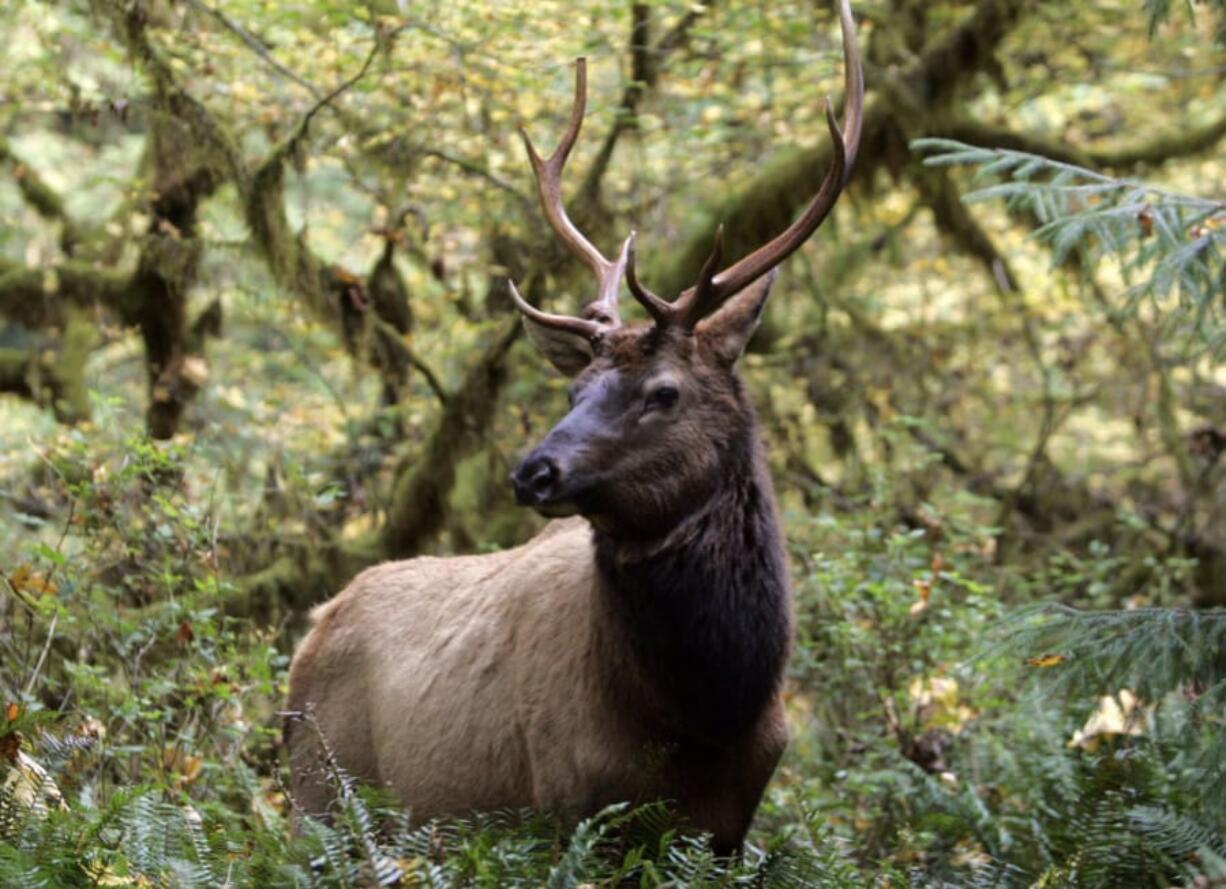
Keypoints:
(291, 143)
(418, 505)
(645, 62)
(1168, 146)
(393, 338)
(256, 46)
(44, 200)
(32, 295)
(293, 265)
(479, 171)
(262, 51)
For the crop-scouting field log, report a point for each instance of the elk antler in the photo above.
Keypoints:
(601, 314)
(713, 289)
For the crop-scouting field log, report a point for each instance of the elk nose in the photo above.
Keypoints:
(535, 480)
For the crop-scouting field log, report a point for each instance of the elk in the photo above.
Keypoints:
(634, 649)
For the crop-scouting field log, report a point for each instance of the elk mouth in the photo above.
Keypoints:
(559, 510)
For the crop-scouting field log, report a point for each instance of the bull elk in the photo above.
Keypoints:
(632, 650)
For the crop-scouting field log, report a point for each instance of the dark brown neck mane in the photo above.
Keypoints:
(697, 628)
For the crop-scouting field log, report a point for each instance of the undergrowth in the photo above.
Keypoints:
(945, 731)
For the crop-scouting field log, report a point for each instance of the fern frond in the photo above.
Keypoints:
(1174, 244)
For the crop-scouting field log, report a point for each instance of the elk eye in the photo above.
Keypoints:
(661, 398)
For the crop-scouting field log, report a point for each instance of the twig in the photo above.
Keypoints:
(42, 657)
(301, 129)
(256, 46)
(475, 169)
(646, 59)
(392, 336)
(317, 373)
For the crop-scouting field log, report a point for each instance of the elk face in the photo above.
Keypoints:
(654, 413)
(657, 410)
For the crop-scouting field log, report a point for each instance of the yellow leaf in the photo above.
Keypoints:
(104, 875)
(1046, 660)
(25, 579)
(936, 704)
(186, 767)
(1118, 714)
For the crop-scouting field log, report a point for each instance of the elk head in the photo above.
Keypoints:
(657, 409)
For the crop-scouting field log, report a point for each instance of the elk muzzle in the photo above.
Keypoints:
(536, 480)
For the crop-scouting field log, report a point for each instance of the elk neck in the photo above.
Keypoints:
(694, 627)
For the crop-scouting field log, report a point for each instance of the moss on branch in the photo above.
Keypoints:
(36, 297)
(773, 198)
(1169, 145)
(419, 499)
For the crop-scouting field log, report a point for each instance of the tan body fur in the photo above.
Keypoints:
(480, 682)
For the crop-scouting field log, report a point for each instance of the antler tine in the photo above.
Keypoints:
(659, 309)
(582, 326)
(713, 289)
(704, 297)
(548, 174)
(853, 90)
(749, 268)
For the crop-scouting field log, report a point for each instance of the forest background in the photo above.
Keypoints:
(255, 336)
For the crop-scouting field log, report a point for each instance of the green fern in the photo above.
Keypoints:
(1159, 11)
(1170, 247)
(1152, 651)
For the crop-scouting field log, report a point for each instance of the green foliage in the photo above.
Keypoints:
(920, 756)
(952, 458)
(1159, 11)
(1167, 244)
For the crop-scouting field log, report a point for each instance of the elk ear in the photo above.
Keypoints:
(727, 331)
(566, 350)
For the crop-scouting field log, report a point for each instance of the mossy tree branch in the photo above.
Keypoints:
(332, 294)
(305, 576)
(419, 500)
(1169, 145)
(774, 197)
(43, 199)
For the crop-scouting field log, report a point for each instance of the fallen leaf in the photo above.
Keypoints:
(1116, 715)
(25, 579)
(1046, 660)
(923, 589)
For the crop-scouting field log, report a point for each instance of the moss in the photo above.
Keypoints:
(78, 341)
(294, 583)
(774, 197)
(419, 501)
(15, 372)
